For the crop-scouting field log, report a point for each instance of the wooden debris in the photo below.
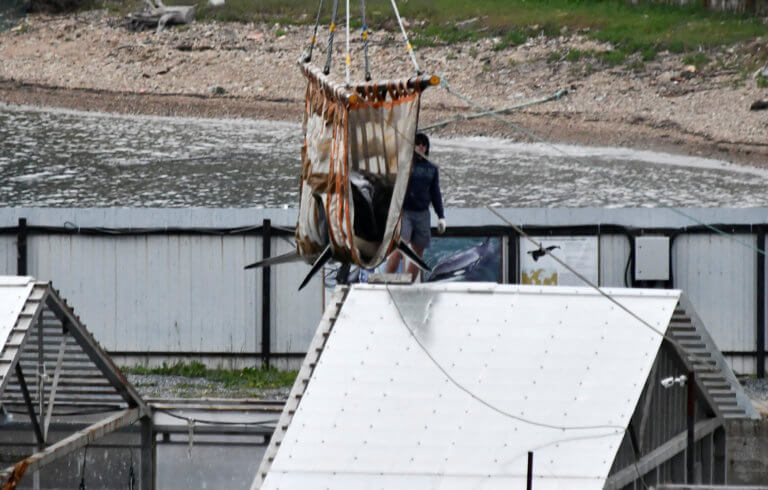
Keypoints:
(158, 15)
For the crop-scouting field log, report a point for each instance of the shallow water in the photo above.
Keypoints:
(78, 159)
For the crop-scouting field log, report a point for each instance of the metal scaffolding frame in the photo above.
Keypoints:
(39, 331)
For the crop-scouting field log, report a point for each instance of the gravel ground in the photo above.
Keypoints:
(756, 389)
(90, 61)
(164, 386)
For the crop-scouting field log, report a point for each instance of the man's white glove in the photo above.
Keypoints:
(441, 226)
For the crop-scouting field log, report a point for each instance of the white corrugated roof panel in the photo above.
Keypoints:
(490, 373)
(14, 291)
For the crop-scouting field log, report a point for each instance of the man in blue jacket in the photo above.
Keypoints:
(423, 189)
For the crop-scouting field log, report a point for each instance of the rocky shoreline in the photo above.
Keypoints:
(90, 61)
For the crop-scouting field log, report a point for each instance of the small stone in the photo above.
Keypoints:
(216, 90)
(466, 24)
(762, 72)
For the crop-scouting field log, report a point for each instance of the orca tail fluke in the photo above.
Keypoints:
(411, 254)
(279, 259)
(319, 263)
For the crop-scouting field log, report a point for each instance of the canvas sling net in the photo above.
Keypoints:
(367, 130)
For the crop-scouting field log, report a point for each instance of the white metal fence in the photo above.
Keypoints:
(158, 285)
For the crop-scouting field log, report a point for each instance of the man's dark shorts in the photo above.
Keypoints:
(414, 228)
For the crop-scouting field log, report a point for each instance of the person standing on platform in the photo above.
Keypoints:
(423, 190)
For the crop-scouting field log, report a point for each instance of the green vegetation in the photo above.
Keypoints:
(432, 35)
(645, 28)
(577, 54)
(762, 82)
(648, 54)
(511, 37)
(613, 57)
(698, 60)
(554, 57)
(232, 378)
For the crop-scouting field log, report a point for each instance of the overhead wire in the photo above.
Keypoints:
(703, 361)
(521, 232)
(447, 87)
(477, 398)
(261, 423)
(408, 46)
(308, 55)
(348, 58)
(331, 33)
(364, 34)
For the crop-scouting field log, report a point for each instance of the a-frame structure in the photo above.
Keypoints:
(52, 369)
(452, 385)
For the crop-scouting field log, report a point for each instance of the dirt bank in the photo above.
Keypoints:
(90, 61)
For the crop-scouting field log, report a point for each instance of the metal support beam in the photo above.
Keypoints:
(13, 474)
(720, 457)
(529, 480)
(21, 247)
(55, 385)
(664, 453)
(30, 407)
(760, 338)
(690, 453)
(513, 256)
(147, 475)
(94, 352)
(41, 376)
(266, 296)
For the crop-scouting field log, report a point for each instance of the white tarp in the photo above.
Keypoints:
(14, 291)
(449, 386)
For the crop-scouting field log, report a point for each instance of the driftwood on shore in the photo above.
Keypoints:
(158, 15)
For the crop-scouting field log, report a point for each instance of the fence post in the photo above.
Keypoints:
(513, 256)
(21, 247)
(760, 337)
(266, 294)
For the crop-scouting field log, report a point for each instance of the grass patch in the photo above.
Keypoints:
(511, 37)
(762, 82)
(256, 377)
(578, 54)
(433, 35)
(613, 58)
(554, 57)
(648, 54)
(698, 60)
(633, 27)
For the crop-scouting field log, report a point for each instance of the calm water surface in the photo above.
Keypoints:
(80, 159)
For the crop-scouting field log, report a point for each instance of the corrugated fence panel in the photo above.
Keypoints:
(719, 276)
(157, 293)
(614, 252)
(296, 313)
(8, 255)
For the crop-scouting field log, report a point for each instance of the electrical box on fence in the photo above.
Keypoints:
(652, 258)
